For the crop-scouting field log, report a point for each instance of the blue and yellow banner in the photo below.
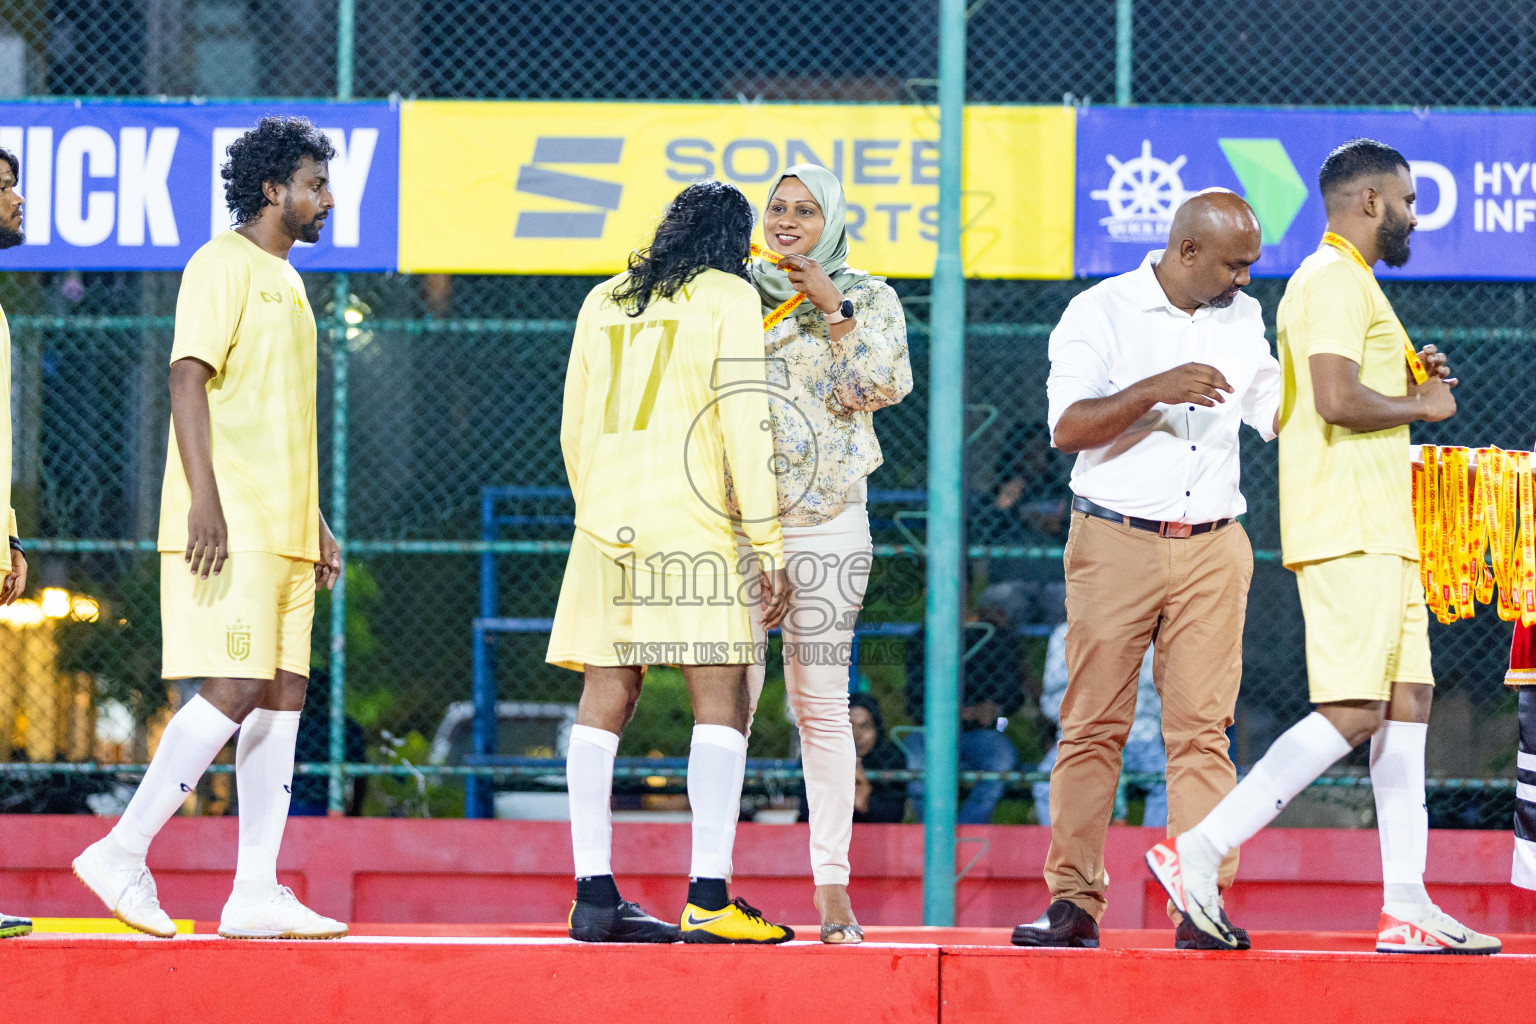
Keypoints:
(573, 188)
(1474, 174)
(136, 186)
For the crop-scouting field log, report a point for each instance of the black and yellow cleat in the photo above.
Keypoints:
(625, 922)
(739, 921)
(10, 927)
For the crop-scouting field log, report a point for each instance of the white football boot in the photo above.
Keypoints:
(126, 887)
(279, 916)
(1432, 932)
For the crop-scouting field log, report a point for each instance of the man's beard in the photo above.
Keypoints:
(10, 237)
(301, 230)
(1392, 240)
(1222, 301)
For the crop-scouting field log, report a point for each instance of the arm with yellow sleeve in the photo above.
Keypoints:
(14, 564)
(15, 569)
(748, 442)
(209, 308)
(1337, 317)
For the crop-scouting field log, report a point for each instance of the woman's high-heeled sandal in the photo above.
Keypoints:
(842, 934)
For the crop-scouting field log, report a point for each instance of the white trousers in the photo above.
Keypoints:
(828, 568)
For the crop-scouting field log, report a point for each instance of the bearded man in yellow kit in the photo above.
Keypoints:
(1352, 385)
(242, 542)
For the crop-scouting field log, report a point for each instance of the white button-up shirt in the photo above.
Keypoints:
(1178, 463)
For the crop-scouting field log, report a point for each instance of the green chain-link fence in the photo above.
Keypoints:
(453, 381)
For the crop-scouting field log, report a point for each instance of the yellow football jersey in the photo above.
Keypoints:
(244, 312)
(5, 439)
(1341, 490)
(655, 406)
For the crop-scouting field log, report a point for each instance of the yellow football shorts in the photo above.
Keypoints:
(1367, 626)
(247, 622)
(611, 615)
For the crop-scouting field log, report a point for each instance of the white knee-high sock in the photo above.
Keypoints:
(589, 783)
(717, 762)
(264, 783)
(188, 746)
(1299, 756)
(1402, 819)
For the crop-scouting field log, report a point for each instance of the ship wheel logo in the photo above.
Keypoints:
(1142, 194)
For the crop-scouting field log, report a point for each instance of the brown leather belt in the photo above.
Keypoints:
(1158, 527)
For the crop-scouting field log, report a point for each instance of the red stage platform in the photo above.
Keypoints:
(524, 973)
(491, 872)
(495, 880)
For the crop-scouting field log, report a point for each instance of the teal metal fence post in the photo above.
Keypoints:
(1124, 39)
(342, 298)
(946, 523)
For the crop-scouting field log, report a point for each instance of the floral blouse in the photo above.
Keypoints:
(822, 399)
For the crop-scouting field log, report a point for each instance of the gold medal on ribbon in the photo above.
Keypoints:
(1476, 529)
(788, 305)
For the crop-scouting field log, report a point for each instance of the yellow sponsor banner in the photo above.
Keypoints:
(573, 188)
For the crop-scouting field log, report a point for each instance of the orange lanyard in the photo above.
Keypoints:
(1431, 571)
(789, 304)
(1344, 245)
(1459, 519)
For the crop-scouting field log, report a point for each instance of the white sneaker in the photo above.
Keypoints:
(1432, 932)
(126, 887)
(279, 916)
(1191, 884)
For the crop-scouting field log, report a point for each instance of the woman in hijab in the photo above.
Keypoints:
(836, 343)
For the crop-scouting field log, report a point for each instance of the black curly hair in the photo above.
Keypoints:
(272, 151)
(6, 156)
(709, 224)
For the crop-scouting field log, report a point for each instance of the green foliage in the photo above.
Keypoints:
(410, 796)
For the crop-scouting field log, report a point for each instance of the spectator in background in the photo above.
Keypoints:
(1143, 750)
(875, 801)
(311, 793)
(1029, 498)
(994, 689)
(872, 801)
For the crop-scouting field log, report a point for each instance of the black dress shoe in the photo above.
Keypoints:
(1187, 936)
(1063, 924)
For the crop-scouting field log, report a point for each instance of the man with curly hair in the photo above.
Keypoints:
(666, 384)
(243, 544)
(13, 564)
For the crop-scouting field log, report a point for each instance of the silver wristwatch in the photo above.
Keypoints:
(841, 313)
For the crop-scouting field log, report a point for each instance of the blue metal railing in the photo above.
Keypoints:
(487, 625)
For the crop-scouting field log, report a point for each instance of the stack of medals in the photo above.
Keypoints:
(1460, 517)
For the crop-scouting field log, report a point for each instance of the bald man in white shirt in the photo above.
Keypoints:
(1153, 374)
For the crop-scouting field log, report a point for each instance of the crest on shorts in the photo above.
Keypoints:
(237, 641)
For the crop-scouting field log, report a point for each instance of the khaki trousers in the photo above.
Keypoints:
(1126, 587)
